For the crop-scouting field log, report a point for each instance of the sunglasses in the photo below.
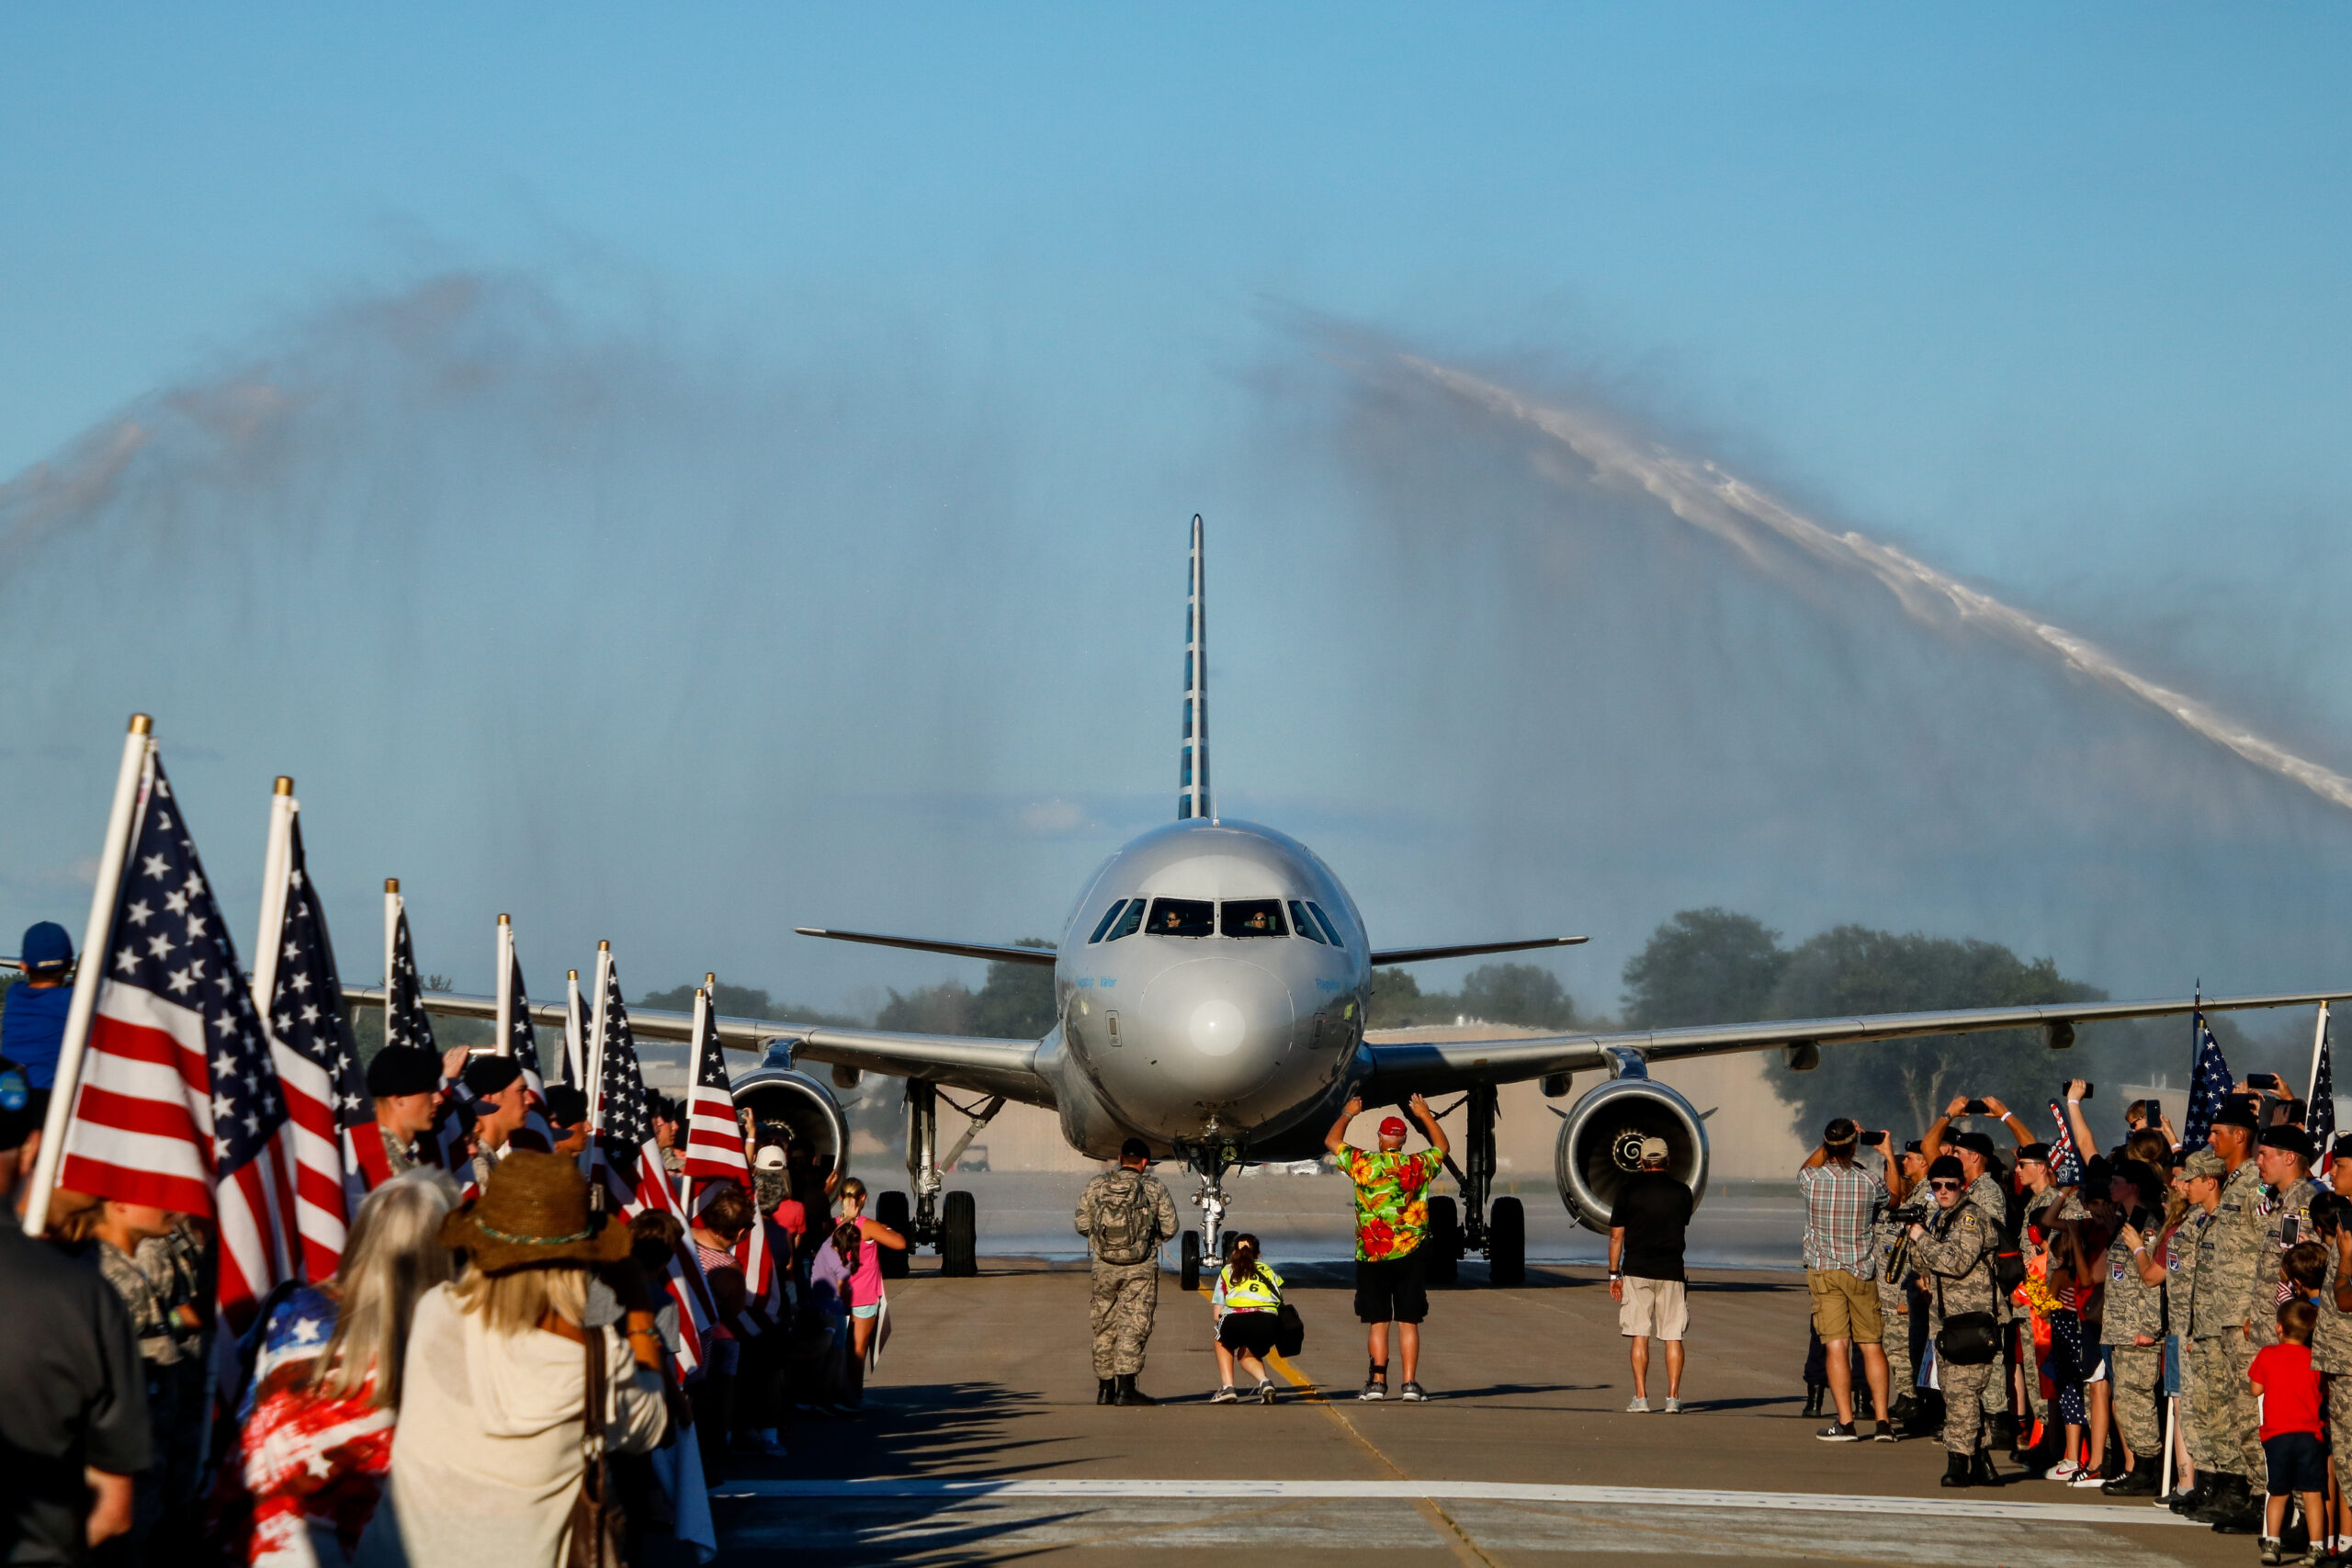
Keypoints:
(1945, 1186)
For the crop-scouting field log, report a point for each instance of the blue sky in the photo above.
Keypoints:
(2057, 302)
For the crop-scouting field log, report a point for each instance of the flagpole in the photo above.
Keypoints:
(505, 986)
(595, 1043)
(276, 862)
(129, 787)
(391, 941)
(572, 1044)
(694, 1082)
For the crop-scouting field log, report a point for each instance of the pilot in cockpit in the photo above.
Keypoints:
(1258, 923)
(1172, 922)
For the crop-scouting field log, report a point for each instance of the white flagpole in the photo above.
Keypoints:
(597, 1041)
(694, 1080)
(130, 784)
(2319, 1043)
(505, 986)
(391, 940)
(572, 1051)
(276, 861)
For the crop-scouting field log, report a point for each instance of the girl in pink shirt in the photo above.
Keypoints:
(866, 1292)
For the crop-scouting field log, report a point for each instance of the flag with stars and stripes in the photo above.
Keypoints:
(2207, 1086)
(2319, 1115)
(330, 1115)
(179, 1105)
(523, 1045)
(2065, 1161)
(714, 1148)
(405, 1021)
(624, 1158)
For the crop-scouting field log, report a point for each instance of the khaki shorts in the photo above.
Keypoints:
(1844, 1306)
(1654, 1309)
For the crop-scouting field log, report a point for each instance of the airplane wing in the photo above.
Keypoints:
(982, 1065)
(1406, 1067)
(925, 944)
(1469, 950)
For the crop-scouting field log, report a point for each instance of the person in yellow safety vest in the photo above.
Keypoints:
(1248, 1302)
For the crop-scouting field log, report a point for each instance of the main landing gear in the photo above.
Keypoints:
(1209, 1162)
(947, 1220)
(1500, 1234)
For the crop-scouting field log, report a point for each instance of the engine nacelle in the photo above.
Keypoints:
(1600, 1145)
(779, 1093)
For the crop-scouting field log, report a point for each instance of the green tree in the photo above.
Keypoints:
(1704, 966)
(744, 1001)
(1016, 1002)
(943, 1008)
(1517, 993)
(1396, 1001)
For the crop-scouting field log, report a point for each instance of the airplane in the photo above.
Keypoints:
(1211, 985)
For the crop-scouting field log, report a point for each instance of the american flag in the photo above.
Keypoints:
(2208, 1085)
(2319, 1119)
(714, 1148)
(332, 1117)
(405, 1021)
(179, 1105)
(2065, 1161)
(627, 1161)
(523, 1045)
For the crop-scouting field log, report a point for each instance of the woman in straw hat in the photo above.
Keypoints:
(488, 1462)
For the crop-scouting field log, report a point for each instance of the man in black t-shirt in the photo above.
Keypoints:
(1646, 1233)
(72, 1395)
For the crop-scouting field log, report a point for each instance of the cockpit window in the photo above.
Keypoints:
(1325, 921)
(1130, 923)
(1254, 917)
(1304, 921)
(1182, 917)
(1117, 907)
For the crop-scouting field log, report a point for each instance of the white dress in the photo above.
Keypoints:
(486, 1463)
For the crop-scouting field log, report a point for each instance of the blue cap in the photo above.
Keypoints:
(47, 949)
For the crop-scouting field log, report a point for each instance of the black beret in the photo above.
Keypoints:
(2035, 1152)
(403, 1069)
(2234, 1113)
(567, 1106)
(2294, 1140)
(1978, 1143)
(2342, 1148)
(1944, 1168)
(488, 1074)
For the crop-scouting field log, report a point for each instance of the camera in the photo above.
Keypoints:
(1873, 1139)
(1912, 1213)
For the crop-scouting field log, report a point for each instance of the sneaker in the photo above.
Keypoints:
(2139, 1483)
(1413, 1394)
(2062, 1472)
(1266, 1391)
(1374, 1388)
(1673, 1407)
(1839, 1432)
(2088, 1478)
(1224, 1396)
(2271, 1555)
(1638, 1407)
(1883, 1434)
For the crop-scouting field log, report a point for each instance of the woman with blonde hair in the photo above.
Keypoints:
(495, 1404)
(314, 1434)
(869, 1317)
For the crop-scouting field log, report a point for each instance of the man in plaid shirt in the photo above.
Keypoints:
(1842, 1203)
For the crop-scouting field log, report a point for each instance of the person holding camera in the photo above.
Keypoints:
(1842, 1205)
(1956, 1257)
(1898, 1281)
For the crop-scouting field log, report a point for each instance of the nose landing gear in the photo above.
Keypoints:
(951, 1227)
(1209, 1162)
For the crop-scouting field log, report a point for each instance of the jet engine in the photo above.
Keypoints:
(1601, 1144)
(787, 1095)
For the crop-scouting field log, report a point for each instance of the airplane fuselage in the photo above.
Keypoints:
(1211, 985)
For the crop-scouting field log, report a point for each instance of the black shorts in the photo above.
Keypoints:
(2297, 1462)
(1249, 1331)
(1392, 1289)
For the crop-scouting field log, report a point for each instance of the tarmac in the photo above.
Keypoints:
(981, 1443)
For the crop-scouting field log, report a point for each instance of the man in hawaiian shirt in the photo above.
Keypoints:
(1392, 1218)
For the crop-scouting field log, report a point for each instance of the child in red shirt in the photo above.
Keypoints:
(2288, 1385)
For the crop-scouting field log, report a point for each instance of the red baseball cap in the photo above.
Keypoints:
(1392, 1127)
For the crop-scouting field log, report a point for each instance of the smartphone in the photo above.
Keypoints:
(2263, 1080)
(1975, 1107)
(2287, 1229)
(2151, 1112)
(1873, 1139)
(2090, 1090)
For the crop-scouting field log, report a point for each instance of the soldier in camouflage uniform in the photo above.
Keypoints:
(2132, 1328)
(1124, 1215)
(405, 1084)
(1986, 1196)
(1956, 1257)
(120, 1229)
(2202, 1173)
(2283, 1158)
(1904, 1174)
(2236, 1261)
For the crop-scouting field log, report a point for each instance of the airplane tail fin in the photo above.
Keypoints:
(1192, 784)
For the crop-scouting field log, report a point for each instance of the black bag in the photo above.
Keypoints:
(599, 1527)
(1968, 1339)
(1290, 1331)
(2008, 1267)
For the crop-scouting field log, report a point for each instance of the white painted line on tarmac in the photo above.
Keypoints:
(1440, 1490)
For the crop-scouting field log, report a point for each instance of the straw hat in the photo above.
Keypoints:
(533, 1211)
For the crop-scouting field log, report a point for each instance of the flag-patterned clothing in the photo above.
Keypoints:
(313, 1467)
(2065, 1162)
(2207, 1086)
(179, 1105)
(327, 1103)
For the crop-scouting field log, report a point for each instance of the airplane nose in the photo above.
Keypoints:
(1220, 1027)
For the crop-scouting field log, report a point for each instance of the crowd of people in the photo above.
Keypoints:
(486, 1326)
(2148, 1319)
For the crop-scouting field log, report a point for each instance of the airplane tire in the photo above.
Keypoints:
(1188, 1267)
(1444, 1243)
(959, 1240)
(891, 1209)
(1507, 1244)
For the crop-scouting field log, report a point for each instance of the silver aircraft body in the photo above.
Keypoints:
(1211, 985)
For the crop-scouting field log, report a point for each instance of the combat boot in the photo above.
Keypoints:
(1813, 1393)
(2225, 1500)
(2005, 1432)
(1129, 1394)
(1906, 1413)
(1985, 1474)
(1106, 1390)
(1958, 1471)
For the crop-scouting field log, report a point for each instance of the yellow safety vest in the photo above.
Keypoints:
(1262, 1292)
